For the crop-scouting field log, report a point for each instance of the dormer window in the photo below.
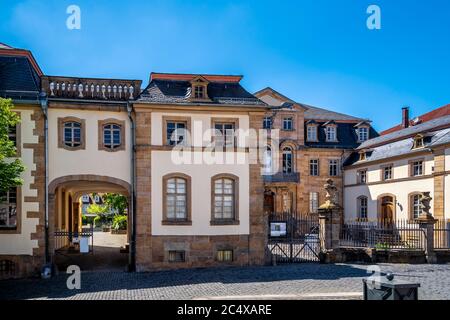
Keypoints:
(418, 142)
(311, 133)
(330, 133)
(362, 156)
(199, 92)
(363, 134)
(199, 89)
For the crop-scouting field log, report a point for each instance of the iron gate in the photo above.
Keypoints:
(65, 240)
(294, 238)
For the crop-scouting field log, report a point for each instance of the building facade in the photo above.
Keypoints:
(312, 145)
(385, 177)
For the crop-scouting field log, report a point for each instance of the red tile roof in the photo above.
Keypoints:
(437, 113)
(189, 77)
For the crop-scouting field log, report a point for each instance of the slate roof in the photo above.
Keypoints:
(161, 91)
(346, 135)
(423, 127)
(434, 114)
(18, 79)
(396, 146)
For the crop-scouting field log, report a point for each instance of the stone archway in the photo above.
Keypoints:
(75, 186)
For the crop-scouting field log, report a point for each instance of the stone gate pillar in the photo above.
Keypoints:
(330, 217)
(426, 223)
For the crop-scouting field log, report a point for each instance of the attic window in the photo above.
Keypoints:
(418, 142)
(199, 92)
(362, 156)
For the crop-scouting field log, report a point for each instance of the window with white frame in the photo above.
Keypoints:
(313, 202)
(417, 168)
(72, 134)
(330, 133)
(287, 160)
(224, 199)
(416, 206)
(199, 92)
(176, 199)
(268, 168)
(314, 167)
(176, 133)
(8, 208)
(333, 167)
(224, 134)
(12, 134)
(288, 124)
(387, 172)
(112, 136)
(311, 133)
(362, 207)
(267, 123)
(363, 134)
(362, 176)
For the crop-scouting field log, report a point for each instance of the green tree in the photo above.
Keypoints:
(10, 169)
(116, 202)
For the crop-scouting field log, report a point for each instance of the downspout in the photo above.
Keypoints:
(132, 256)
(44, 107)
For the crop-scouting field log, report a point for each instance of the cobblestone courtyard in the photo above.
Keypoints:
(300, 281)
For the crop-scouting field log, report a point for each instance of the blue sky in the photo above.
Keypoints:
(316, 52)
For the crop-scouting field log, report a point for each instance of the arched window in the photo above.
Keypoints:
(362, 204)
(268, 160)
(176, 194)
(224, 196)
(72, 134)
(112, 136)
(415, 205)
(288, 160)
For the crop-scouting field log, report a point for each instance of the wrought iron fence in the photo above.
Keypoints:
(64, 239)
(442, 234)
(383, 235)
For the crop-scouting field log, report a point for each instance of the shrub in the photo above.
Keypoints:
(119, 223)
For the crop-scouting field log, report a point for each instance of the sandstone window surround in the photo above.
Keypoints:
(11, 211)
(14, 135)
(288, 160)
(199, 89)
(418, 142)
(176, 130)
(417, 167)
(177, 202)
(415, 206)
(288, 123)
(387, 172)
(362, 207)
(224, 200)
(313, 202)
(71, 133)
(267, 123)
(333, 167)
(314, 167)
(224, 132)
(362, 176)
(177, 256)
(111, 135)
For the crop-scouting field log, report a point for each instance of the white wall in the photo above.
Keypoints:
(21, 244)
(89, 161)
(199, 138)
(201, 191)
(400, 189)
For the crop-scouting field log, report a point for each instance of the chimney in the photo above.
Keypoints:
(405, 117)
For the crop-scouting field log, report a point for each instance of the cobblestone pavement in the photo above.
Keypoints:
(299, 281)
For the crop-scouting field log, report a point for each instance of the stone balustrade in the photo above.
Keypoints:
(91, 89)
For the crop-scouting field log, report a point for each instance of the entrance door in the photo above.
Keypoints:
(387, 210)
(269, 202)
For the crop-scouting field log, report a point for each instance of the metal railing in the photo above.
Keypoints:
(64, 239)
(383, 235)
(442, 234)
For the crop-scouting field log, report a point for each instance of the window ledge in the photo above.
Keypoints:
(224, 222)
(176, 223)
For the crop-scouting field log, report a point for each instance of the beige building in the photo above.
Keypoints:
(384, 179)
(312, 144)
